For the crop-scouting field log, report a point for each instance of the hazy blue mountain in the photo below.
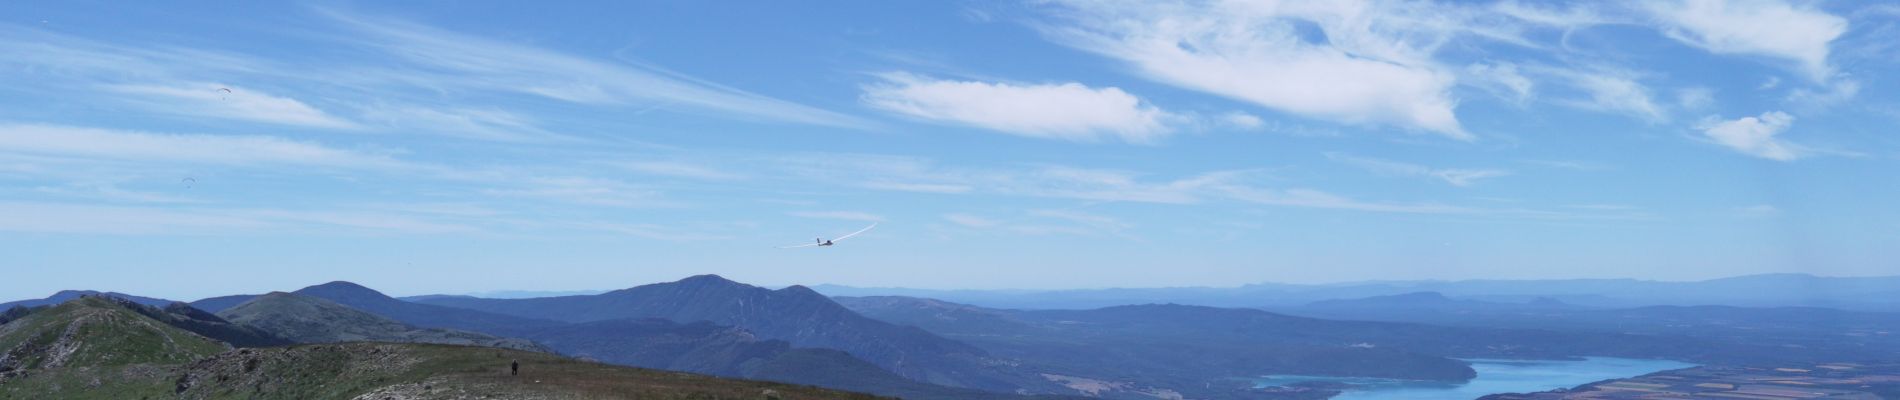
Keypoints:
(1818, 330)
(1769, 290)
(310, 319)
(1427, 302)
(1179, 347)
(529, 294)
(423, 315)
(66, 295)
(795, 314)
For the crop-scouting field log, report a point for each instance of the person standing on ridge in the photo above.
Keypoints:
(514, 367)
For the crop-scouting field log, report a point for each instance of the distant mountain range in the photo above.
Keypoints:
(924, 348)
(68, 295)
(1815, 330)
(1768, 290)
(343, 311)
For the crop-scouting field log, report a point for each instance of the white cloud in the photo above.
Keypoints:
(1454, 176)
(1755, 136)
(1261, 53)
(212, 100)
(844, 215)
(67, 141)
(1068, 111)
(1769, 28)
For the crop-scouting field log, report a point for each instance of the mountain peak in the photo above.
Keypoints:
(800, 290)
(343, 290)
(708, 280)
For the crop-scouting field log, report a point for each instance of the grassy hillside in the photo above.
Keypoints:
(393, 370)
(94, 348)
(96, 332)
(379, 370)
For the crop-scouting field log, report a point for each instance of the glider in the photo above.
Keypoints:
(823, 242)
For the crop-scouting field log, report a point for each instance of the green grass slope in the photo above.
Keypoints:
(425, 371)
(96, 332)
(395, 371)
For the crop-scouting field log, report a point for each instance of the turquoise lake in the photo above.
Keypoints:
(1494, 376)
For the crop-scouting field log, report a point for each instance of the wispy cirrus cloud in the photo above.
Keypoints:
(201, 99)
(580, 190)
(125, 145)
(69, 218)
(1606, 89)
(971, 221)
(678, 169)
(467, 61)
(463, 122)
(1454, 176)
(1045, 222)
(843, 215)
(1106, 185)
(1067, 111)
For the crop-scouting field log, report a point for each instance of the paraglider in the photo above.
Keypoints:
(188, 181)
(226, 91)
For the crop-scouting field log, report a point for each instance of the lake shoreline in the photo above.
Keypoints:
(1494, 376)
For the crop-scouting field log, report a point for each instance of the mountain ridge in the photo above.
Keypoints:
(796, 314)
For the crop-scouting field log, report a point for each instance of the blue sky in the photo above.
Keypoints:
(187, 150)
